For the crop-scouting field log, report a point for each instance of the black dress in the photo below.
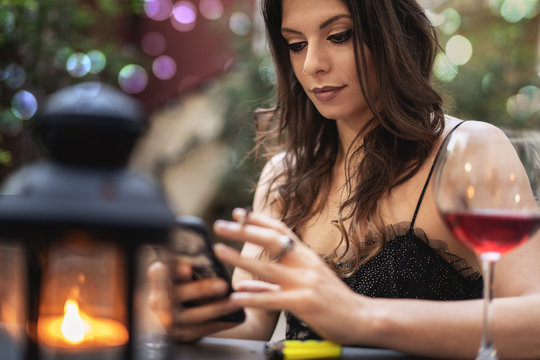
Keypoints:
(408, 266)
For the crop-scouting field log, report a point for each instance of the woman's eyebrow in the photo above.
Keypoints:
(322, 26)
(333, 19)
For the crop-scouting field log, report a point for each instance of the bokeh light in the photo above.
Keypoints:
(184, 16)
(153, 43)
(524, 104)
(133, 79)
(164, 67)
(14, 76)
(514, 11)
(452, 21)
(98, 61)
(211, 9)
(434, 18)
(240, 23)
(78, 64)
(158, 9)
(487, 81)
(7, 22)
(443, 69)
(24, 105)
(459, 50)
(266, 70)
(10, 125)
(61, 56)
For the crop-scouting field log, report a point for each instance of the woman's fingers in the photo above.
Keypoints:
(203, 313)
(258, 219)
(256, 286)
(279, 300)
(158, 296)
(271, 272)
(181, 272)
(196, 290)
(268, 238)
(158, 274)
(263, 236)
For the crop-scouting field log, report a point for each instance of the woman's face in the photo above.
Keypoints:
(319, 34)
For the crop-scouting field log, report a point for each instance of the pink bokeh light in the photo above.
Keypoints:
(158, 9)
(164, 67)
(211, 9)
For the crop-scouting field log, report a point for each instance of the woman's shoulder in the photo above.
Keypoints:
(269, 180)
(471, 126)
(273, 170)
(274, 165)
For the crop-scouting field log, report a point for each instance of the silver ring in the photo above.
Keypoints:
(287, 244)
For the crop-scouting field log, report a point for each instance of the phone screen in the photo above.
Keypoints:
(192, 248)
(192, 244)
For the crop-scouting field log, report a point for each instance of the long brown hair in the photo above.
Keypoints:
(395, 143)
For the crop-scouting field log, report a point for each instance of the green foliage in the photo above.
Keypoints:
(504, 61)
(36, 39)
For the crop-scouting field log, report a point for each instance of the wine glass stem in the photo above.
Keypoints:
(487, 346)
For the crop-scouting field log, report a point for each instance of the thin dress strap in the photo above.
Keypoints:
(430, 174)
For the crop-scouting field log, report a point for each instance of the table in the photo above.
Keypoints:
(156, 347)
(232, 349)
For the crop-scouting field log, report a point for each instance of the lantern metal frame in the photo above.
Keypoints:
(89, 131)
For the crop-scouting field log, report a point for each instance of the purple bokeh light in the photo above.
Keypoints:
(184, 15)
(132, 79)
(164, 67)
(158, 9)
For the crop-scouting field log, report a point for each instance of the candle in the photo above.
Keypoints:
(76, 335)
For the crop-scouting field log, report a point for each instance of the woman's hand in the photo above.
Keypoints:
(300, 282)
(169, 289)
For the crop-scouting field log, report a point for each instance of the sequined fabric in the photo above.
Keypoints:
(408, 266)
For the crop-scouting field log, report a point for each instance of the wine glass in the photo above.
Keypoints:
(486, 187)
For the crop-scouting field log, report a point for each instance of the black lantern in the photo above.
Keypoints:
(81, 218)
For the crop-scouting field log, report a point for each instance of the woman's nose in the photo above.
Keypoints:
(316, 61)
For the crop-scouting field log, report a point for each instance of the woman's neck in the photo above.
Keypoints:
(348, 132)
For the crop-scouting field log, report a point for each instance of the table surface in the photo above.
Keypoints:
(156, 347)
(224, 349)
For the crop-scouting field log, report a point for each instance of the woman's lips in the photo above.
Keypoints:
(327, 93)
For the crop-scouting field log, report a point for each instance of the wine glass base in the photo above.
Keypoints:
(487, 352)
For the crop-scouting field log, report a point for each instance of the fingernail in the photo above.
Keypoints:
(222, 250)
(239, 212)
(239, 295)
(226, 225)
(220, 224)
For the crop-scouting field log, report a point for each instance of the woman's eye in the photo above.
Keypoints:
(297, 46)
(340, 37)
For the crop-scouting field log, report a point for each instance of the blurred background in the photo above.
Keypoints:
(201, 68)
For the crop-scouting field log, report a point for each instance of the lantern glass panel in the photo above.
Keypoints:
(83, 296)
(12, 300)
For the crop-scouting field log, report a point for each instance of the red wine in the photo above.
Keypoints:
(492, 231)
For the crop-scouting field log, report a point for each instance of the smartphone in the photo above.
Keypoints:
(191, 243)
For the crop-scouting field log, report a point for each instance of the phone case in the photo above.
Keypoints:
(192, 244)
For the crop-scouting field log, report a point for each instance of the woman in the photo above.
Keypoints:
(359, 126)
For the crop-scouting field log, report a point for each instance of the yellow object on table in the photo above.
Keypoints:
(302, 349)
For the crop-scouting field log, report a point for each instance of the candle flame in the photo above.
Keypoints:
(74, 327)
